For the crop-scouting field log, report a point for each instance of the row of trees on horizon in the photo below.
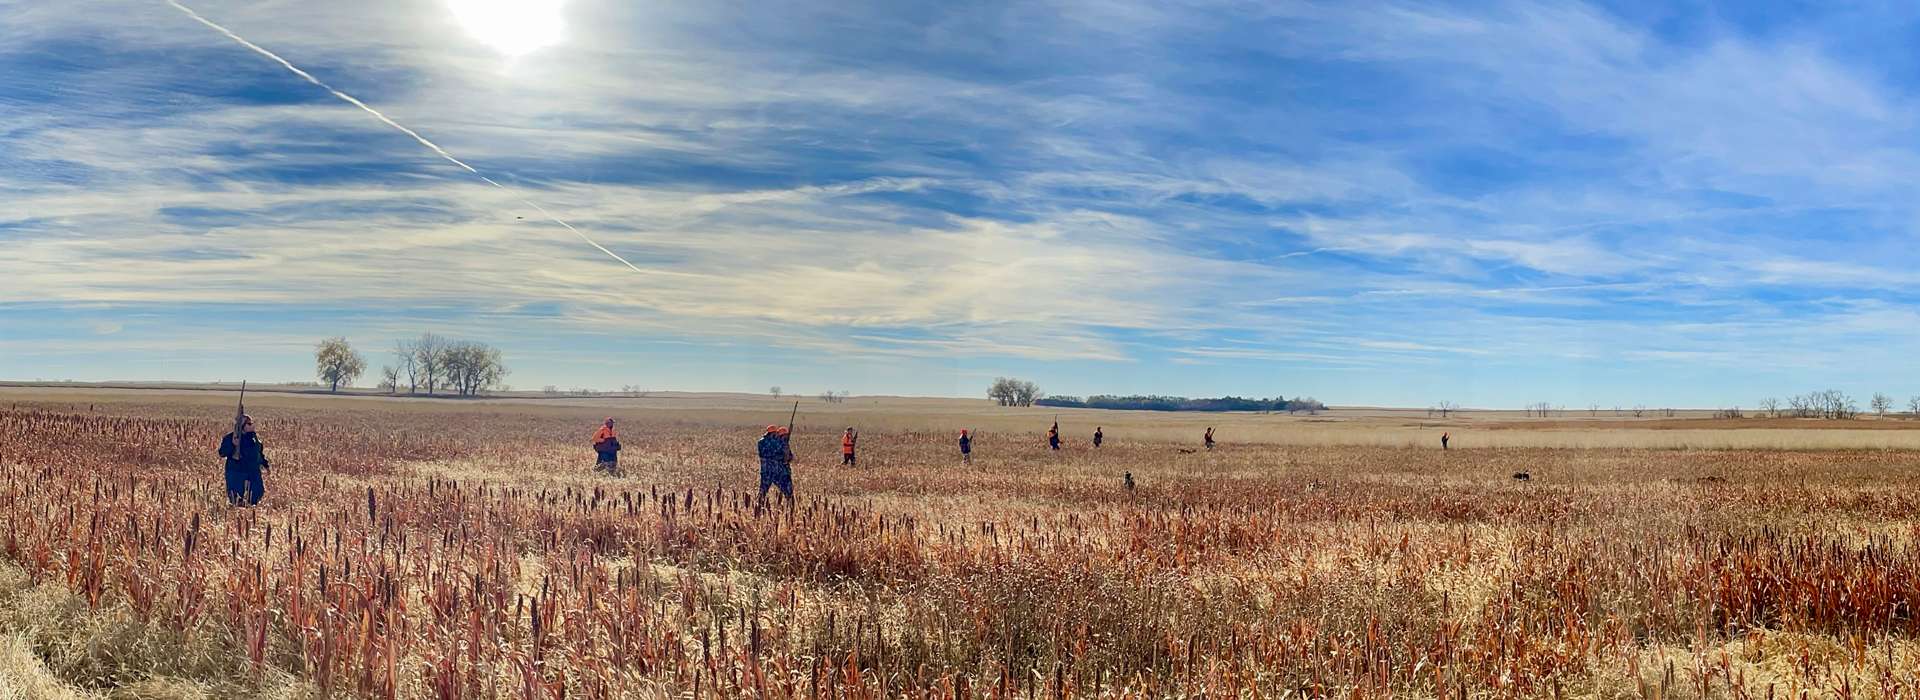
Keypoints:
(1831, 404)
(430, 362)
(1008, 391)
(1181, 403)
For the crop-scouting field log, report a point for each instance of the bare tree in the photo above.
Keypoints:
(1007, 391)
(1003, 391)
(1639, 410)
(389, 379)
(337, 363)
(430, 353)
(775, 390)
(1447, 407)
(1844, 406)
(471, 367)
(1881, 404)
(408, 364)
(1025, 393)
(1913, 407)
(1831, 404)
(1771, 406)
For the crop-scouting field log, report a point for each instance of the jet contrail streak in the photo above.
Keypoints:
(349, 99)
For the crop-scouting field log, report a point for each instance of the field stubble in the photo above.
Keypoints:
(471, 552)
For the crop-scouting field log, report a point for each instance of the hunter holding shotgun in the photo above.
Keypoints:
(776, 458)
(246, 458)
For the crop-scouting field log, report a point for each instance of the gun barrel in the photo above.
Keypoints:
(240, 411)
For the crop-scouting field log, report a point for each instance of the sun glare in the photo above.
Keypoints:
(512, 27)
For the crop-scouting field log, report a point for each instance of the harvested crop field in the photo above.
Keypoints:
(437, 549)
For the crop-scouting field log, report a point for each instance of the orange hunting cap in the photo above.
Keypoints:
(780, 430)
(773, 428)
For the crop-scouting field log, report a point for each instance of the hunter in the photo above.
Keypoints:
(606, 444)
(776, 462)
(246, 465)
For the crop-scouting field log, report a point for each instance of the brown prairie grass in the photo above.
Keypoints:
(456, 550)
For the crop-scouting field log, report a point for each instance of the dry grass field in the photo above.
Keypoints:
(466, 549)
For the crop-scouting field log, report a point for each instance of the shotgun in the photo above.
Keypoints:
(790, 418)
(239, 418)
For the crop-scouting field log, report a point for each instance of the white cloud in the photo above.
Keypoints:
(954, 192)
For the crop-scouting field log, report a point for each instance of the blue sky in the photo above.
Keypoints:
(1493, 204)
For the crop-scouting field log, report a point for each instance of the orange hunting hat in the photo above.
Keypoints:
(963, 431)
(780, 430)
(773, 428)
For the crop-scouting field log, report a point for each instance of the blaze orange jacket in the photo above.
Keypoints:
(603, 434)
(846, 444)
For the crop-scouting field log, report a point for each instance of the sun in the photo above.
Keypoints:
(512, 27)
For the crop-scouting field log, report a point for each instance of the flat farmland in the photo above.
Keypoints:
(424, 548)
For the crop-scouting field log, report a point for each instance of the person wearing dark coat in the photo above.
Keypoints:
(776, 462)
(245, 465)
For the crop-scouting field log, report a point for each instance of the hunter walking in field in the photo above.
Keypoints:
(246, 464)
(1053, 436)
(1443, 441)
(1098, 436)
(1209, 438)
(966, 447)
(847, 442)
(776, 462)
(606, 444)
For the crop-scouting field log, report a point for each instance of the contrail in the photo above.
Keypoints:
(349, 99)
(1315, 251)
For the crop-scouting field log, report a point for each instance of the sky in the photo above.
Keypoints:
(1395, 203)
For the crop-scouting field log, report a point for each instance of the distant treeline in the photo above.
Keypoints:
(1182, 403)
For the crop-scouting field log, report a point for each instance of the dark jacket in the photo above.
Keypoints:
(253, 454)
(966, 444)
(773, 451)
